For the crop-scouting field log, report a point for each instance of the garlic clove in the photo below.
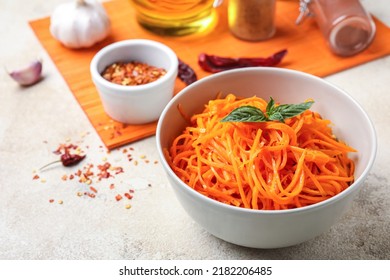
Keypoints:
(28, 75)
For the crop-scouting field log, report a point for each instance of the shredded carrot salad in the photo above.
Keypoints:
(261, 165)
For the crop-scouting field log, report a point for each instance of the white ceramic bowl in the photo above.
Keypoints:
(277, 228)
(141, 103)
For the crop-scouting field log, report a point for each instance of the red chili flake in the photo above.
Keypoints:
(131, 191)
(51, 200)
(105, 166)
(118, 170)
(36, 177)
(91, 195)
(93, 189)
(63, 147)
(71, 177)
(118, 197)
(104, 175)
(64, 177)
(129, 196)
(88, 172)
(112, 186)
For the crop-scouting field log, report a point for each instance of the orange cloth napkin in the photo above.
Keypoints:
(307, 51)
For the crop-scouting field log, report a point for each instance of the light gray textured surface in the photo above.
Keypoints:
(34, 120)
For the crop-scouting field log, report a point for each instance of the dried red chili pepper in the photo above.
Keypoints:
(214, 63)
(67, 159)
(186, 73)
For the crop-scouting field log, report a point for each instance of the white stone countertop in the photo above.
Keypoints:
(35, 120)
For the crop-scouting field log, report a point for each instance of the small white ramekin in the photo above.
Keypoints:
(141, 103)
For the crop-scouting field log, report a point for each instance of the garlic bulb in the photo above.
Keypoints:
(80, 24)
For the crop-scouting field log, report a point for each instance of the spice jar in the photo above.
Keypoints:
(252, 20)
(345, 24)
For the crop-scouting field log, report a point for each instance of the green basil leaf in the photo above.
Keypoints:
(276, 116)
(286, 111)
(270, 106)
(278, 113)
(245, 114)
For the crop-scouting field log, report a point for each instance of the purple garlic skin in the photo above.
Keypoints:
(28, 75)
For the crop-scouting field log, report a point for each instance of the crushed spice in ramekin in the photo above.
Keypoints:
(132, 73)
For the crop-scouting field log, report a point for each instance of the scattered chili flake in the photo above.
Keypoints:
(36, 177)
(128, 196)
(91, 195)
(112, 186)
(93, 189)
(64, 177)
(51, 200)
(104, 174)
(132, 73)
(62, 147)
(118, 170)
(118, 197)
(131, 191)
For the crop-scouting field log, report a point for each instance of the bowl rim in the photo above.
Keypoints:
(118, 89)
(316, 206)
